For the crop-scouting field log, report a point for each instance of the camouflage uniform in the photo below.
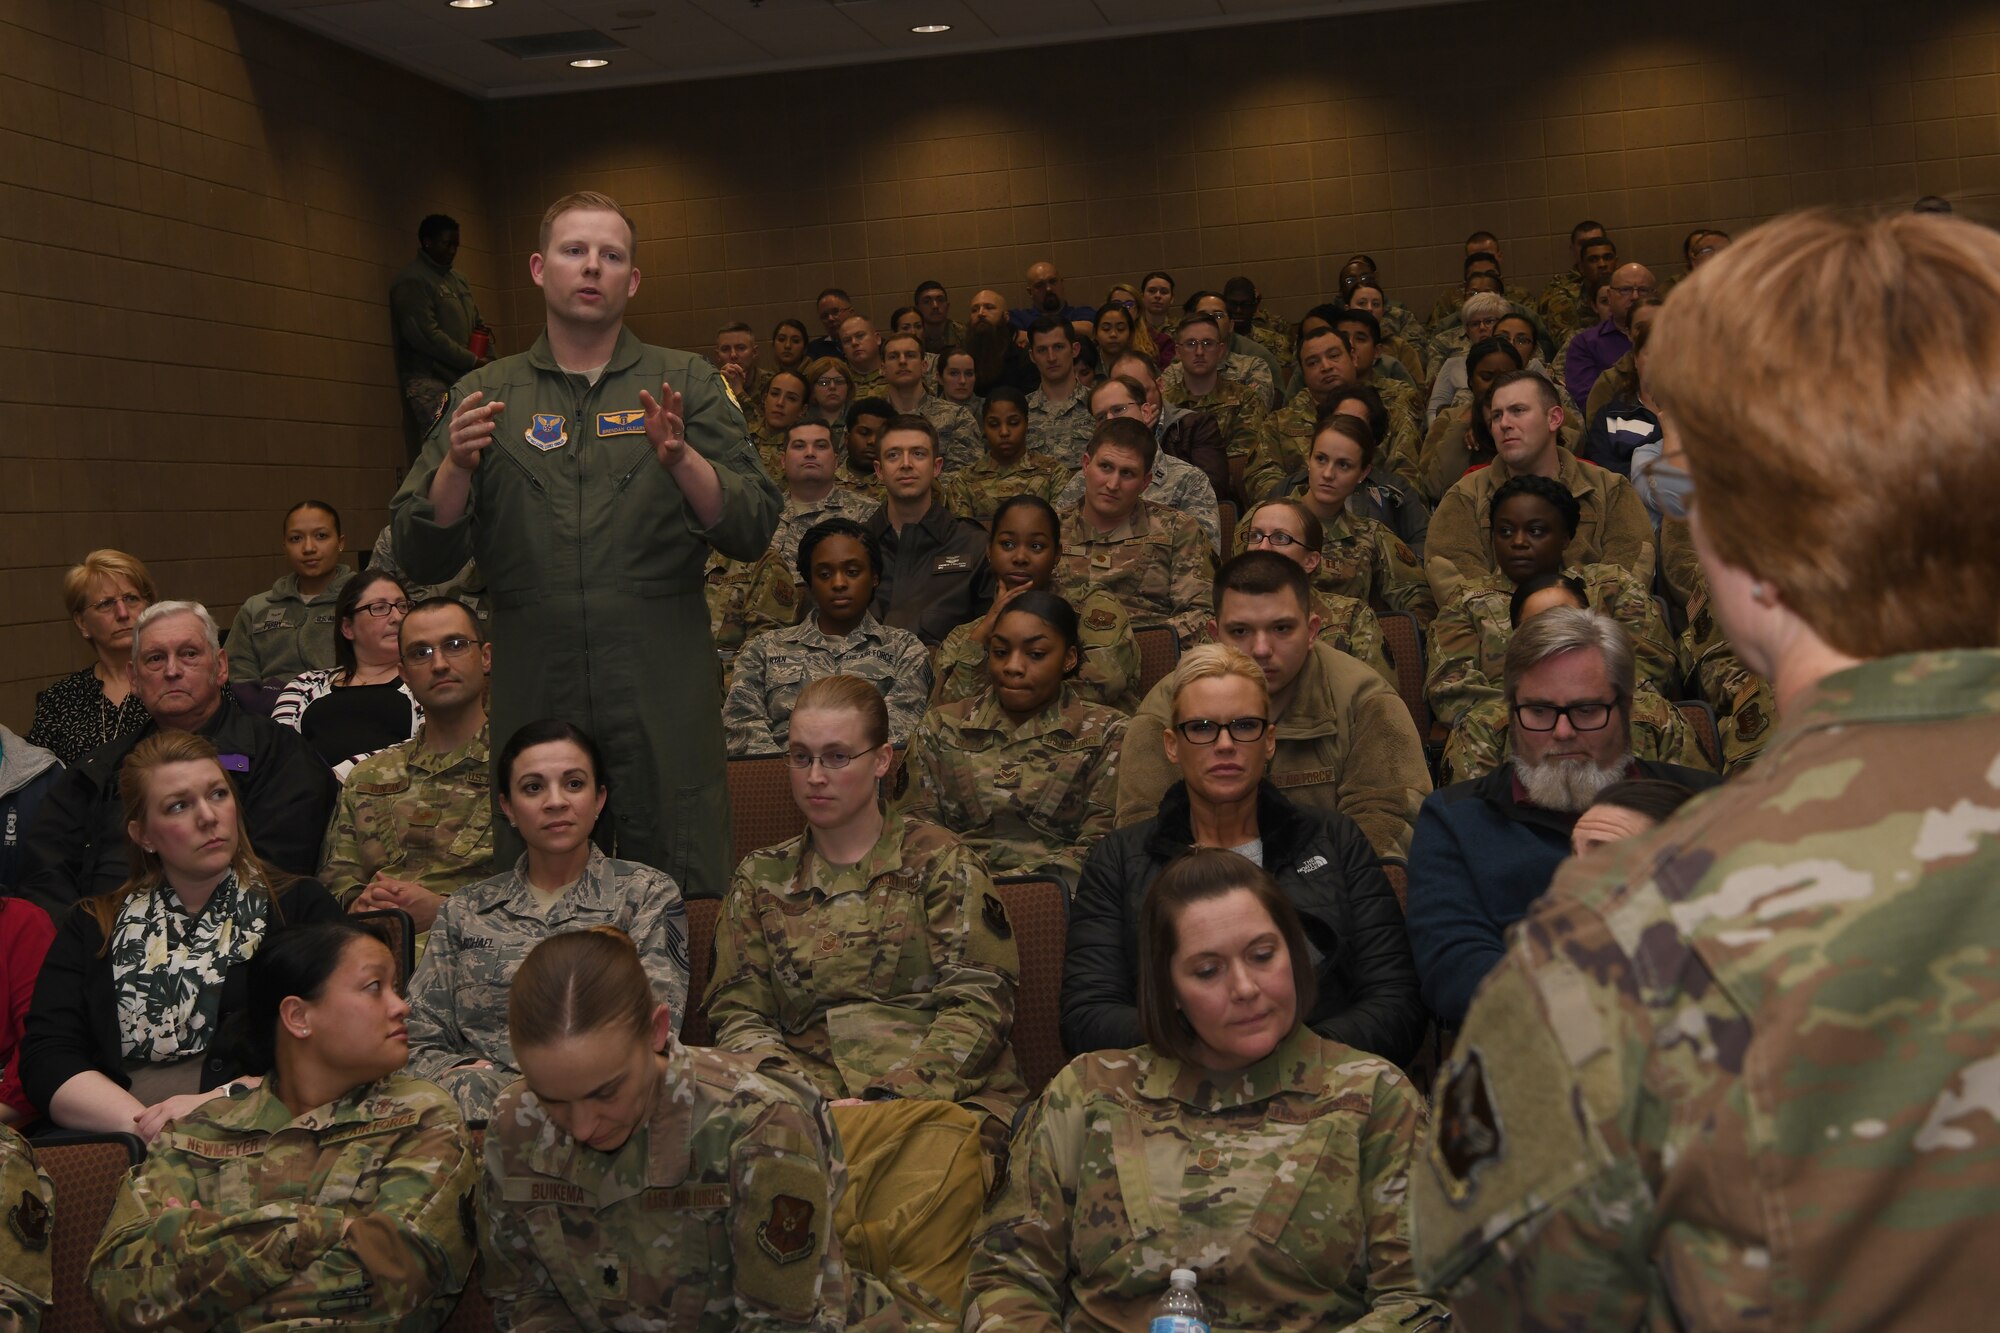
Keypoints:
(1737, 1072)
(717, 1214)
(1284, 1186)
(977, 489)
(1108, 675)
(1029, 797)
(895, 976)
(770, 449)
(867, 384)
(27, 1279)
(1615, 528)
(414, 815)
(1239, 412)
(1061, 430)
(1155, 563)
(764, 597)
(730, 581)
(357, 1214)
(1286, 443)
(961, 439)
(1468, 640)
(458, 997)
(1563, 307)
(775, 667)
(867, 485)
(1346, 626)
(1449, 308)
(1176, 484)
(1481, 740)
(467, 586)
(1277, 343)
(1362, 559)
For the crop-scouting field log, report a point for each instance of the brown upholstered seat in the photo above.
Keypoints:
(1701, 720)
(1038, 911)
(702, 915)
(1404, 639)
(761, 809)
(87, 1171)
(1159, 652)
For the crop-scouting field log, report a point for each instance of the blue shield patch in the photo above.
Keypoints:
(632, 421)
(547, 431)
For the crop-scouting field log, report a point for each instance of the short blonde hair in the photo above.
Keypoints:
(1836, 385)
(105, 563)
(1212, 661)
(588, 201)
(1484, 305)
(848, 694)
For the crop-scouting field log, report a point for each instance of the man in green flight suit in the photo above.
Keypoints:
(590, 476)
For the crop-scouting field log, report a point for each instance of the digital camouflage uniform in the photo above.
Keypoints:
(27, 1199)
(1108, 675)
(1061, 430)
(1614, 529)
(1284, 1186)
(413, 815)
(278, 634)
(1362, 559)
(1156, 563)
(977, 489)
(961, 439)
(716, 1215)
(1738, 1072)
(895, 976)
(1468, 640)
(773, 668)
(867, 384)
(357, 1214)
(730, 581)
(458, 997)
(1029, 797)
(1177, 485)
(1481, 740)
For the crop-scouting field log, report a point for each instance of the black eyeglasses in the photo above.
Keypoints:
(1258, 536)
(1208, 730)
(453, 646)
(1588, 716)
(380, 609)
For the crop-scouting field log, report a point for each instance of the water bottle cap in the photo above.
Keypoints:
(1181, 1275)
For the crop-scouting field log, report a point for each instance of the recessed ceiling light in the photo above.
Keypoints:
(589, 62)
(929, 28)
(470, 4)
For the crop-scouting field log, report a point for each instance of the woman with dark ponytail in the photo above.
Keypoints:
(338, 1189)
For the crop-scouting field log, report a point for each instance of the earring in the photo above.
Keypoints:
(1759, 593)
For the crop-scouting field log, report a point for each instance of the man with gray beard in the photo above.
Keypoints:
(1485, 849)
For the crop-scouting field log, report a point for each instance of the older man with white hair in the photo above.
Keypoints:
(77, 846)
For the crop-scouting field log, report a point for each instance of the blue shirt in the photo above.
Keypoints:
(1027, 315)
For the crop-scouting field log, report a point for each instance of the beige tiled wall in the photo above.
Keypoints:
(202, 208)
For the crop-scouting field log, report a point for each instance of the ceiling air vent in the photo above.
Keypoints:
(557, 45)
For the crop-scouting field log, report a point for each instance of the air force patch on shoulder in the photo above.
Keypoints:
(631, 421)
(547, 432)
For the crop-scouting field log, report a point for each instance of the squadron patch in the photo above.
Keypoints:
(1751, 722)
(1467, 1135)
(787, 1234)
(29, 1221)
(995, 913)
(547, 431)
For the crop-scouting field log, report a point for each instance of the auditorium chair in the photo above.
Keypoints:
(1038, 912)
(87, 1170)
(702, 914)
(1701, 719)
(1159, 652)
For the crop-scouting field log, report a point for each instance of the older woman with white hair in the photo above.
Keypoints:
(1479, 317)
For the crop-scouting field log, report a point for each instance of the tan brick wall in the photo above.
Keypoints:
(202, 208)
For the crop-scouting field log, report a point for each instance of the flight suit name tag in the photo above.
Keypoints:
(631, 421)
(547, 431)
(686, 1196)
(360, 1129)
(950, 564)
(544, 1191)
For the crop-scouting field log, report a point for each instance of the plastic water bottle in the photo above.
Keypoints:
(1179, 1311)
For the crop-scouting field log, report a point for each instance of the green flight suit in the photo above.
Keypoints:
(593, 565)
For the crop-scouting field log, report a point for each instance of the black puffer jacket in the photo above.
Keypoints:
(1368, 994)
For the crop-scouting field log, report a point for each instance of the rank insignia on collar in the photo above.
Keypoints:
(547, 431)
(631, 421)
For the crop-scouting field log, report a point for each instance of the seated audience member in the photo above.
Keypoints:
(414, 823)
(736, 354)
(1291, 530)
(1220, 744)
(1245, 361)
(746, 1149)
(1026, 771)
(1271, 1154)
(552, 791)
(1196, 382)
(1460, 439)
(1391, 499)
(1344, 739)
(362, 704)
(27, 1261)
(1155, 561)
(940, 332)
(1023, 550)
(1565, 304)
(861, 446)
(1116, 331)
(1594, 351)
(1192, 437)
(1524, 417)
(339, 1191)
(133, 1020)
(77, 846)
(933, 562)
(782, 407)
(870, 953)
(841, 564)
(861, 348)
(788, 348)
(997, 359)
(960, 442)
(25, 936)
(829, 392)
(1482, 314)
(1478, 741)
(1175, 485)
(1624, 423)
(1157, 304)
(958, 377)
(1626, 809)
(1401, 341)
(27, 773)
(1059, 419)
(1617, 377)
(1326, 364)
(1485, 849)
(1362, 559)
(278, 634)
(1533, 521)
(1007, 467)
(96, 705)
